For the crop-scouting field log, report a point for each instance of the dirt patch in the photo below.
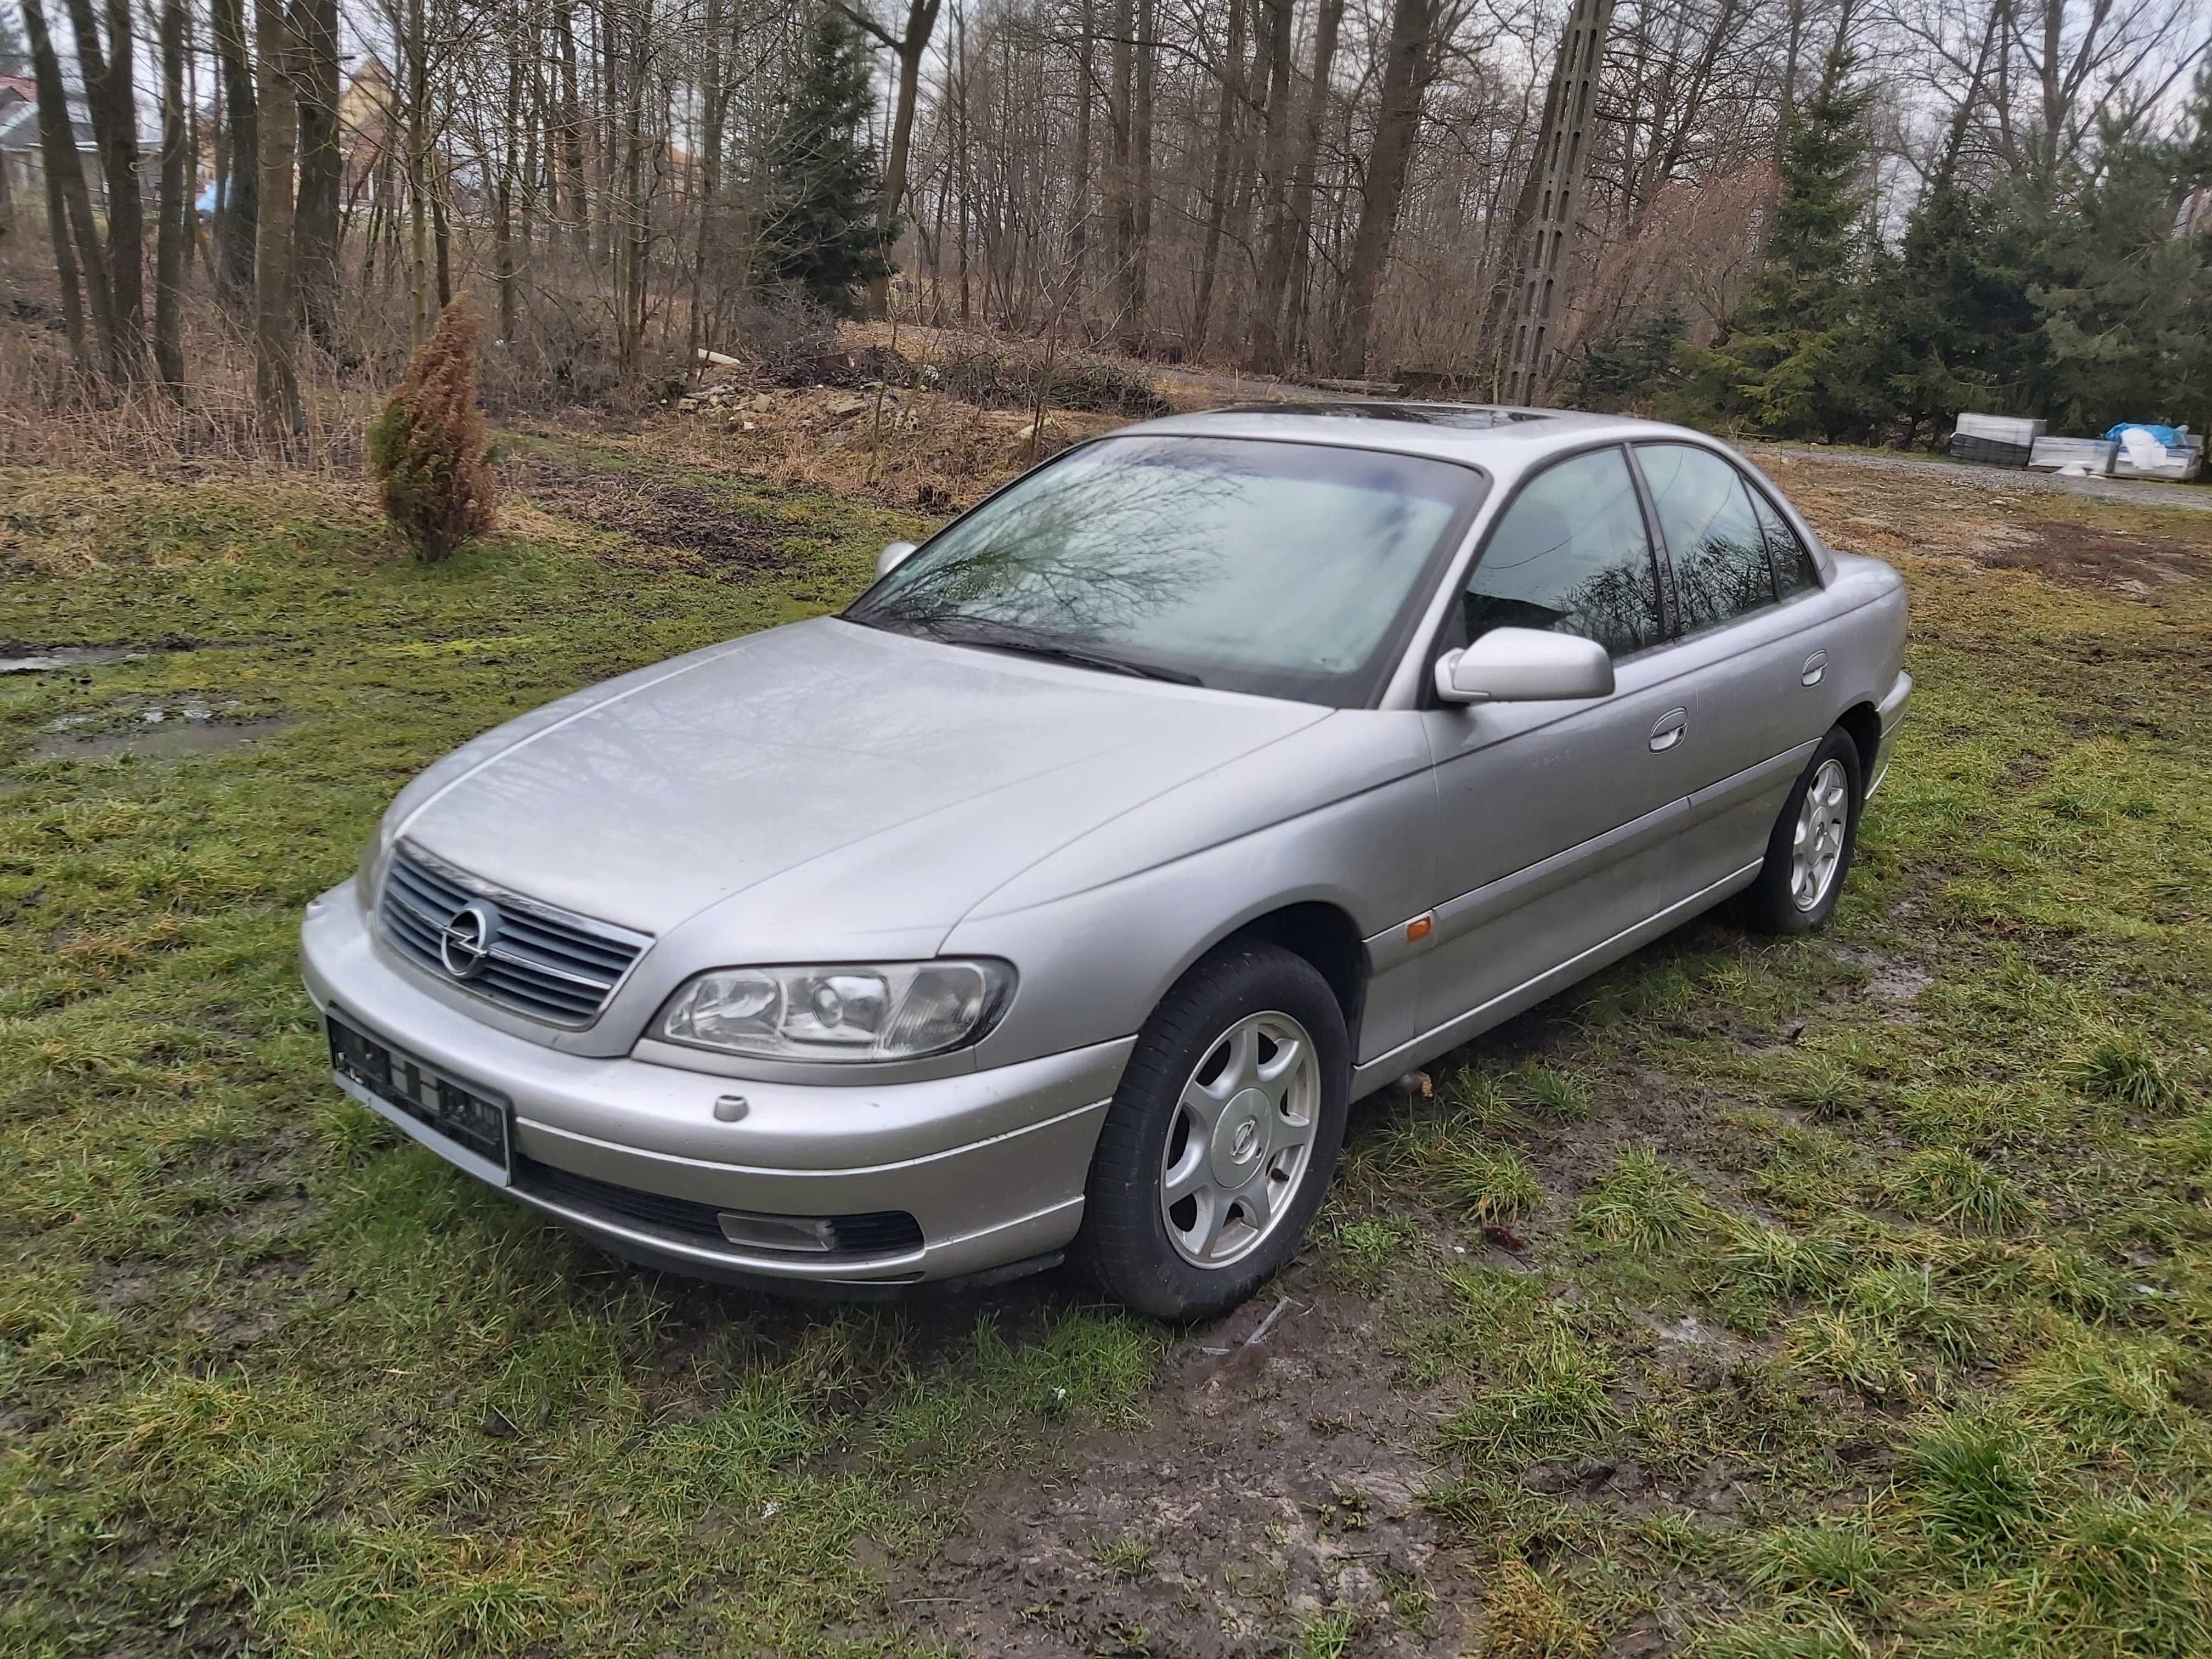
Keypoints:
(1278, 1484)
(2073, 554)
(677, 518)
(1891, 982)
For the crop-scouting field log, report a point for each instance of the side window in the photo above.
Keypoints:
(1793, 569)
(1705, 513)
(1570, 554)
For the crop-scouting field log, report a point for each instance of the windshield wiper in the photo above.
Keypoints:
(1024, 644)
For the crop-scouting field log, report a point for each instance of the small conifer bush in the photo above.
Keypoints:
(428, 449)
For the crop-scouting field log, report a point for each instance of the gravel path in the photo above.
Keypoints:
(2008, 481)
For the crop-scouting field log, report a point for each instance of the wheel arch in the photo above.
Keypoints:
(1324, 934)
(1863, 725)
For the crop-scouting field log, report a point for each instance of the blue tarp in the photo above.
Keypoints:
(2165, 434)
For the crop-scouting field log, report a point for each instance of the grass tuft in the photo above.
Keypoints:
(1952, 1186)
(1641, 1205)
(2119, 1066)
(1835, 1562)
(1969, 1479)
(1487, 1182)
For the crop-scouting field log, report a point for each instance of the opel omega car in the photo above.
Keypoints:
(1059, 895)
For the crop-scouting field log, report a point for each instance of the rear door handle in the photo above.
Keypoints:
(1667, 730)
(1815, 666)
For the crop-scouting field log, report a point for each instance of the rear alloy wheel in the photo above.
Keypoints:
(1809, 852)
(1221, 1138)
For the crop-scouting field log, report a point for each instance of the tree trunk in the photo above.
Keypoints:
(239, 224)
(315, 228)
(176, 205)
(908, 49)
(1303, 171)
(503, 221)
(572, 128)
(78, 256)
(1275, 28)
(276, 297)
(110, 96)
(1121, 185)
(1217, 200)
(1407, 69)
(417, 50)
(1078, 228)
(1140, 182)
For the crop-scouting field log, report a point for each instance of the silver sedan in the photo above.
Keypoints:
(1059, 896)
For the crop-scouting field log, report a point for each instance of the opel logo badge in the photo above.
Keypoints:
(464, 944)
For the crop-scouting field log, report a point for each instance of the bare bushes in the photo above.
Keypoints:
(1025, 374)
(427, 448)
(52, 415)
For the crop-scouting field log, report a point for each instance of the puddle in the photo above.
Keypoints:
(66, 656)
(161, 739)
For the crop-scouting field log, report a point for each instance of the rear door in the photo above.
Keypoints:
(1554, 818)
(1750, 653)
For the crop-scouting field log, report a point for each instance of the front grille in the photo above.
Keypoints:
(537, 961)
(880, 1232)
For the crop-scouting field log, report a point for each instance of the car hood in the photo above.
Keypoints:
(861, 790)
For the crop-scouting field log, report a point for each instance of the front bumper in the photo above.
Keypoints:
(990, 1164)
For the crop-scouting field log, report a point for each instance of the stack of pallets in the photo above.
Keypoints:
(1995, 440)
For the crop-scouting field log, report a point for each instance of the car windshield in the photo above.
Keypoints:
(1287, 569)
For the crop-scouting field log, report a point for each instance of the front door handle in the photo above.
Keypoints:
(1815, 666)
(1667, 730)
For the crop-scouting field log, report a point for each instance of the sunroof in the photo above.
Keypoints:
(1466, 417)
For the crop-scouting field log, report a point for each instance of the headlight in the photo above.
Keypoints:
(369, 869)
(859, 1011)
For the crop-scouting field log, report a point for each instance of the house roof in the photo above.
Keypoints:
(19, 121)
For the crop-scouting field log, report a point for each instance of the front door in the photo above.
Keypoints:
(1555, 819)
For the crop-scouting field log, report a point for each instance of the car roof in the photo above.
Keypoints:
(1501, 440)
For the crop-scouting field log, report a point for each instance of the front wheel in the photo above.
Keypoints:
(1809, 852)
(1222, 1136)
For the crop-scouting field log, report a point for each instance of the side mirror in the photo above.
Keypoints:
(1525, 664)
(892, 557)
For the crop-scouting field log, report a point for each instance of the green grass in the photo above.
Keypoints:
(1826, 1324)
(268, 1373)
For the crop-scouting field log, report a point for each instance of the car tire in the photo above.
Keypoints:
(1809, 854)
(1211, 1102)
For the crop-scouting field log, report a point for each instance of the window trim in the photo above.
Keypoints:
(1659, 535)
(1454, 582)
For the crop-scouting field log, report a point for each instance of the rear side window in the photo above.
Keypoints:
(1793, 569)
(1570, 554)
(1721, 569)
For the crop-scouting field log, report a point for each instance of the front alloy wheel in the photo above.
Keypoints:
(1241, 1140)
(1221, 1138)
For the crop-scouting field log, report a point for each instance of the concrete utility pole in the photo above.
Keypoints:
(1553, 195)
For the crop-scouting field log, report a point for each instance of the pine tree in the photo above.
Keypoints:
(819, 232)
(1959, 329)
(1794, 359)
(2127, 310)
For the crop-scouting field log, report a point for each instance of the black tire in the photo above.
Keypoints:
(1770, 904)
(1124, 1246)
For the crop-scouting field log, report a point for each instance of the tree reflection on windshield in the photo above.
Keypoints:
(1287, 569)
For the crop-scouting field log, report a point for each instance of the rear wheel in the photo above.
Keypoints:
(1809, 852)
(1222, 1136)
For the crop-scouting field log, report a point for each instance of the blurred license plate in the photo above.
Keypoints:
(398, 1081)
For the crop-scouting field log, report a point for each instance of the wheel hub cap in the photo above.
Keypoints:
(1816, 844)
(1240, 1145)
